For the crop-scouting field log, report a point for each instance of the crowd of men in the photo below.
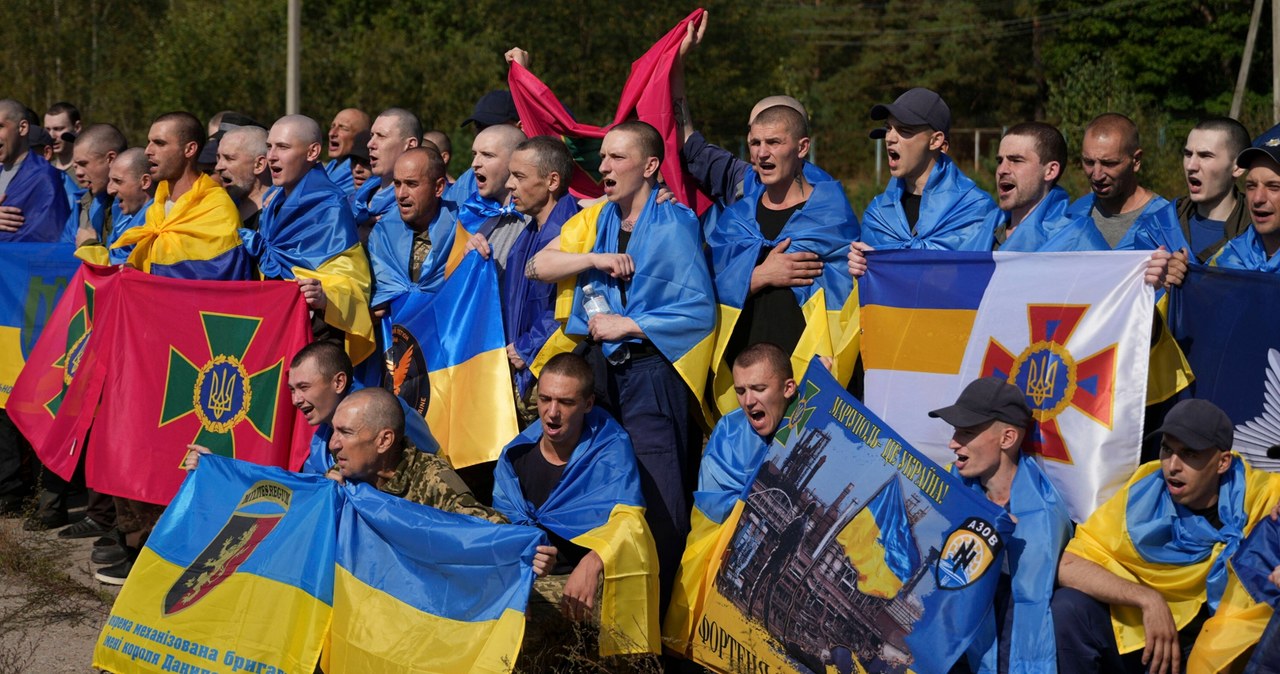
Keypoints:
(603, 385)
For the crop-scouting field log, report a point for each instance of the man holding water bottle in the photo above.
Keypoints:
(651, 350)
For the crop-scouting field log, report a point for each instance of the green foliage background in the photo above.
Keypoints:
(1164, 62)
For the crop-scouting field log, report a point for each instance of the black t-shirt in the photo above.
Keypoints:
(538, 478)
(624, 239)
(1210, 514)
(911, 207)
(771, 315)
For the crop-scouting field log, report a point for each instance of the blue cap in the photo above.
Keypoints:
(495, 107)
(915, 107)
(1266, 145)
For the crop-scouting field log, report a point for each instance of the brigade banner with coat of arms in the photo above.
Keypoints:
(850, 552)
(1071, 330)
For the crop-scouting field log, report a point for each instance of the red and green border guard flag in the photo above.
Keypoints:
(54, 396)
(194, 361)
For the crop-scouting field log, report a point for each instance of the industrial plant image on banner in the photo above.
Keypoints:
(850, 552)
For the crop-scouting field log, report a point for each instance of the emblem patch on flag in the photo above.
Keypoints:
(967, 554)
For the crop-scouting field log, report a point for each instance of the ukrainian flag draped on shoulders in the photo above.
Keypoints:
(953, 211)
(1143, 536)
(198, 238)
(371, 201)
(729, 463)
(309, 233)
(1048, 228)
(824, 226)
(1041, 532)
(391, 246)
(38, 189)
(598, 505)
(671, 296)
(1156, 226)
(1246, 252)
(424, 590)
(107, 253)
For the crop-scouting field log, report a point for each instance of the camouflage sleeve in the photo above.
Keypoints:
(437, 485)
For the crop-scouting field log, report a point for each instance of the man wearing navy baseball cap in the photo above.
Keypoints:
(929, 202)
(1255, 249)
(1146, 577)
(990, 420)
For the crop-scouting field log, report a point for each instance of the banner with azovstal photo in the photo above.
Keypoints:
(850, 552)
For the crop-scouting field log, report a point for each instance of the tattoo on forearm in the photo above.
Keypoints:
(531, 270)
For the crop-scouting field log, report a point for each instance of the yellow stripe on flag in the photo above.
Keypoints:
(859, 540)
(629, 598)
(471, 414)
(915, 340)
(698, 568)
(375, 632)
(246, 616)
(11, 360)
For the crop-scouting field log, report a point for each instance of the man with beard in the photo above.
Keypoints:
(242, 170)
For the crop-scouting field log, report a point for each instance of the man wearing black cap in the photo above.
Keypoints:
(1146, 576)
(990, 419)
(929, 202)
(494, 108)
(1256, 248)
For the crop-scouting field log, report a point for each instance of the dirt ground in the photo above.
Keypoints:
(51, 607)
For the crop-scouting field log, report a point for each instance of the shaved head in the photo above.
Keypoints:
(404, 123)
(300, 128)
(12, 110)
(770, 101)
(786, 117)
(251, 140)
(132, 161)
(505, 134)
(440, 139)
(380, 409)
(1115, 125)
(100, 139)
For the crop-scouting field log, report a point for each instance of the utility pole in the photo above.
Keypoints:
(1237, 99)
(291, 66)
(1275, 62)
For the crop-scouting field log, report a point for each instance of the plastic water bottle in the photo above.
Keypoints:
(594, 302)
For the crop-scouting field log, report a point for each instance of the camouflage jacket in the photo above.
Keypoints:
(428, 479)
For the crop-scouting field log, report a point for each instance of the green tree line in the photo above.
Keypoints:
(1164, 62)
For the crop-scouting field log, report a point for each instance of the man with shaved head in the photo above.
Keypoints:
(409, 248)
(186, 201)
(33, 200)
(306, 233)
(487, 212)
(91, 159)
(1111, 156)
(393, 132)
(774, 249)
(242, 169)
(129, 183)
(348, 130)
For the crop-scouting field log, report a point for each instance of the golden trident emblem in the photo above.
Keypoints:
(1041, 376)
(222, 391)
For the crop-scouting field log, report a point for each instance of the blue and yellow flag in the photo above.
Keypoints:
(1246, 252)
(671, 296)
(824, 226)
(1047, 228)
(953, 212)
(1225, 320)
(237, 575)
(391, 245)
(339, 171)
(309, 233)
(419, 589)
(198, 238)
(38, 189)
(448, 361)
(35, 276)
(598, 505)
(729, 463)
(879, 542)
(371, 201)
(1143, 536)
